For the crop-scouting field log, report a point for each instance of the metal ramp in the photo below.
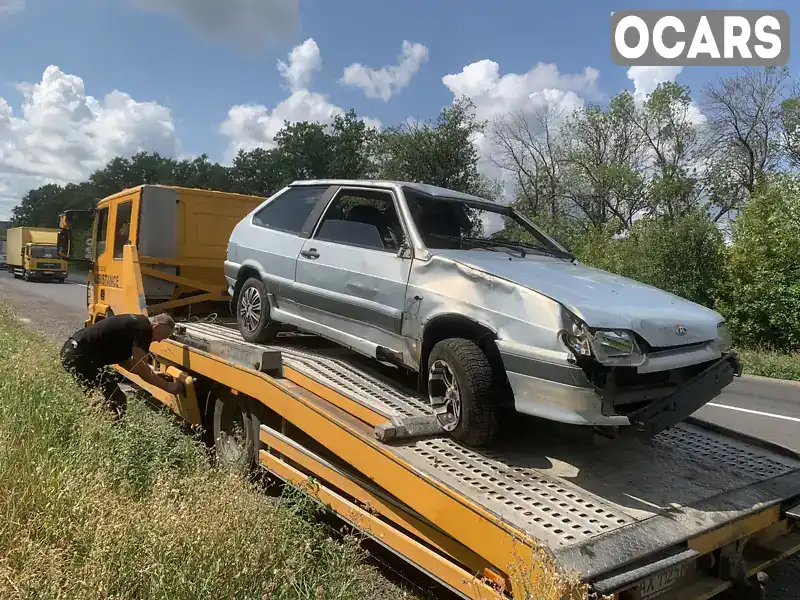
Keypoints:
(560, 489)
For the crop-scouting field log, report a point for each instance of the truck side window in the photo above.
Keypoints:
(289, 211)
(102, 232)
(122, 228)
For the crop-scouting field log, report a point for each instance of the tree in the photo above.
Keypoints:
(440, 154)
(790, 128)
(529, 146)
(201, 173)
(743, 132)
(352, 148)
(256, 172)
(303, 151)
(762, 303)
(670, 135)
(604, 162)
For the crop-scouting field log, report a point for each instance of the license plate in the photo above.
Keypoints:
(48, 273)
(664, 581)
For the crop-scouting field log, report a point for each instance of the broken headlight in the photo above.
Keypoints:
(608, 347)
(617, 347)
(724, 339)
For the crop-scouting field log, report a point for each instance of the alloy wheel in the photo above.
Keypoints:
(250, 309)
(444, 394)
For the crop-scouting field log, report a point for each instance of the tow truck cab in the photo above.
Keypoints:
(178, 238)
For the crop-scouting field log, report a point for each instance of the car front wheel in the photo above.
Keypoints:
(252, 313)
(460, 386)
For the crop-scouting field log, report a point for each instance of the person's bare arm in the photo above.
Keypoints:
(139, 366)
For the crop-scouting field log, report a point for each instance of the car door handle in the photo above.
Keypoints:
(310, 253)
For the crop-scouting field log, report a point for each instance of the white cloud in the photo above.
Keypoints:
(384, 82)
(62, 134)
(303, 61)
(250, 126)
(9, 7)
(495, 96)
(249, 24)
(646, 80)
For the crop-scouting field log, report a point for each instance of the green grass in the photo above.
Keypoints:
(91, 509)
(769, 363)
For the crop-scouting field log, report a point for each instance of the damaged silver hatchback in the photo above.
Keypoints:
(491, 312)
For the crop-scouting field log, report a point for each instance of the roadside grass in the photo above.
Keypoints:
(94, 509)
(769, 363)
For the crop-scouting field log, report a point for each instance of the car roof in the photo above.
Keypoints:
(424, 188)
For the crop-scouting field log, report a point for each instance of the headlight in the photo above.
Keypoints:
(613, 347)
(724, 339)
(617, 348)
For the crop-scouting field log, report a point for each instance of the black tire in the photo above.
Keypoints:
(263, 329)
(478, 418)
(234, 431)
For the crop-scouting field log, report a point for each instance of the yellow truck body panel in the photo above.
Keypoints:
(181, 236)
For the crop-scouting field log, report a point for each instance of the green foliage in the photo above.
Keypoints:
(683, 255)
(762, 303)
(765, 362)
(94, 509)
(440, 153)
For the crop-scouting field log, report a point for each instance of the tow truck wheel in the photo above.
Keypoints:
(232, 428)
(252, 313)
(460, 385)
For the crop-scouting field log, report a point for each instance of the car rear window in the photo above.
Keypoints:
(289, 211)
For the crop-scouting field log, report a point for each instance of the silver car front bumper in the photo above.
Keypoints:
(557, 391)
(562, 392)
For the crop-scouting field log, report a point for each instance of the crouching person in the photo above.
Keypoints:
(122, 340)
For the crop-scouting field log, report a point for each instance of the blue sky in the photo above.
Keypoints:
(193, 65)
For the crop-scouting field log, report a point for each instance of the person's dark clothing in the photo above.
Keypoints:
(110, 341)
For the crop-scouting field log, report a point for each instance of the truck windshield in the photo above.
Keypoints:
(44, 252)
(451, 223)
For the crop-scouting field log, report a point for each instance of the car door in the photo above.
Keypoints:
(271, 241)
(351, 274)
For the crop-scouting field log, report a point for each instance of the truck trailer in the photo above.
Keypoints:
(32, 253)
(693, 512)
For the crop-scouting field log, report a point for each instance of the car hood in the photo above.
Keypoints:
(601, 299)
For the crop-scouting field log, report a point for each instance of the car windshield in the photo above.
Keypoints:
(451, 223)
(44, 252)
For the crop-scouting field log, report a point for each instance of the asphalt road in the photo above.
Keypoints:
(764, 408)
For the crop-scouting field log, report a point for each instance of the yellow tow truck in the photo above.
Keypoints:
(694, 512)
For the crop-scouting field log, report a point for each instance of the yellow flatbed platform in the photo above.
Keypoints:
(550, 505)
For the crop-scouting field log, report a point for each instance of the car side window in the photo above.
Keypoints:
(364, 218)
(289, 211)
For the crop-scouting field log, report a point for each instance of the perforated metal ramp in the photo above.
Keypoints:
(356, 382)
(552, 482)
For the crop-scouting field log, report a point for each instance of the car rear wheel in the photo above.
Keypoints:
(252, 313)
(460, 385)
